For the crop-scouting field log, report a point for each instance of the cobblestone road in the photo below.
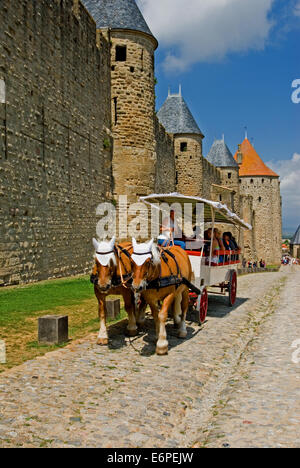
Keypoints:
(205, 392)
(261, 407)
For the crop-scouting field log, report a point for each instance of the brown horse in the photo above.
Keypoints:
(147, 268)
(110, 275)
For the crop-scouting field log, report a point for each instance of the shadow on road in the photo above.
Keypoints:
(145, 342)
(218, 306)
(146, 346)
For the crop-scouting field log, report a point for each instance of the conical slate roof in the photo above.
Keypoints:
(252, 164)
(296, 238)
(220, 155)
(176, 117)
(117, 14)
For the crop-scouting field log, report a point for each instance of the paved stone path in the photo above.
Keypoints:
(126, 396)
(261, 407)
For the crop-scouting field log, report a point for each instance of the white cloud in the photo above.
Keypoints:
(297, 9)
(192, 31)
(289, 171)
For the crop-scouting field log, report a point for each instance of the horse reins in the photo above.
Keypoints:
(127, 274)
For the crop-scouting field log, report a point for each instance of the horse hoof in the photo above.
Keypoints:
(182, 335)
(102, 341)
(162, 348)
(131, 332)
(162, 351)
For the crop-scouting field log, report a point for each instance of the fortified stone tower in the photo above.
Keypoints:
(295, 244)
(259, 181)
(221, 157)
(178, 121)
(133, 95)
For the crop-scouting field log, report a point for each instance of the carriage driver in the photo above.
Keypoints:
(169, 230)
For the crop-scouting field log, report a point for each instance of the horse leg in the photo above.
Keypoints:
(103, 336)
(130, 309)
(177, 310)
(154, 311)
(184, 305)
(162, 343)
(141, 311)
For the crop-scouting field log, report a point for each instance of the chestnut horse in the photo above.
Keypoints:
(110, 275)
(148, 268)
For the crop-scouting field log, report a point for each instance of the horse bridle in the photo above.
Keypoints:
(127, 274)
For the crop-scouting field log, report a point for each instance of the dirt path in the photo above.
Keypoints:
(126, 396)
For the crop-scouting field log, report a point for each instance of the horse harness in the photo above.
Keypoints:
(167, 281)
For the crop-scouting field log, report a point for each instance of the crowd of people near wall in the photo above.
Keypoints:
(253, 265)
(287, 260)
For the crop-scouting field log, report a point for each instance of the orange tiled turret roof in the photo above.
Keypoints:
(252, 164)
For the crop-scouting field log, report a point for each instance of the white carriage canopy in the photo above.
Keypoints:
(213, 211)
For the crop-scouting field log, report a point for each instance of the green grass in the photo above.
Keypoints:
(273, 267)
(21, 306)
(18, 303)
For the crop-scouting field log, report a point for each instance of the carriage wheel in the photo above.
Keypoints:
(232, 288)
(203, 306)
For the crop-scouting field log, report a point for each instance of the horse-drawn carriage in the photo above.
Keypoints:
(167, 277)
(214, 269)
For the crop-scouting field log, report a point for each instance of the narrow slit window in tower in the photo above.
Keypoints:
(121, 53)
(116, 109)
(229, 175)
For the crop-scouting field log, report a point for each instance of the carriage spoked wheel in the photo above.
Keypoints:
(232, 288)
(203, 306)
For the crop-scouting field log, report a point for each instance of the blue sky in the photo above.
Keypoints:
(236, 61)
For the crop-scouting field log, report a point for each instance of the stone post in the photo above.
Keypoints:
(113, 308)
(53, 329)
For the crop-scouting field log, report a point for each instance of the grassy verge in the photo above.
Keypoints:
(21, 306)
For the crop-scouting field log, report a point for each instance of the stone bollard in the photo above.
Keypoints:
(113, 308)
(2, 352)
(53, 329)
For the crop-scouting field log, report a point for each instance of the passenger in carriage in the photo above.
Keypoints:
(207, 242)
(217, 245)
(169, 231)
(230, 244)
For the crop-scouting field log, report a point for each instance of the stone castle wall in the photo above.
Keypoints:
(211, 176)
(55, 156)
(265, 193)
(230, 179)
(165, 161)
(295, 251)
